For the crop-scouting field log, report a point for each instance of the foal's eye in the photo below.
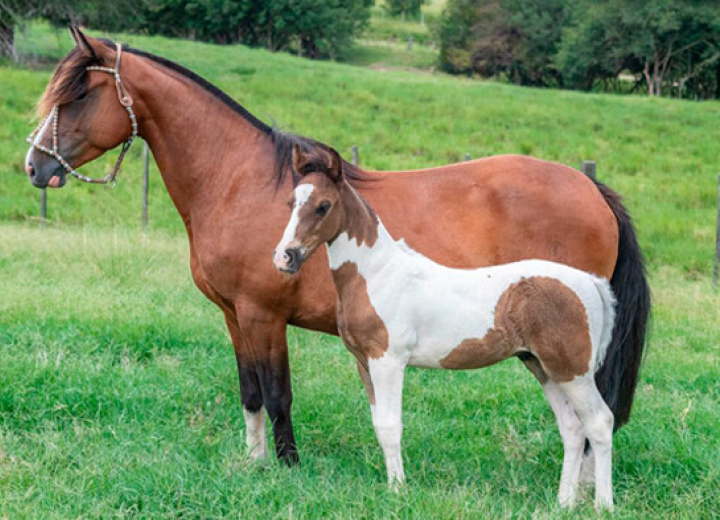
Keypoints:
(323, 208)
(81, 96)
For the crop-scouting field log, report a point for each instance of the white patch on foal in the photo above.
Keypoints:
(302, 194)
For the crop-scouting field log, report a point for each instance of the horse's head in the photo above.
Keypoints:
(317, 209)
(85, 111)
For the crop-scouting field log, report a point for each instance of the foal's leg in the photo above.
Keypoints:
(573, 438)
(387, 376)
(597, 421)
(570, 427)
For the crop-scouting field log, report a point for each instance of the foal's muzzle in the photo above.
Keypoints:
(289, 260)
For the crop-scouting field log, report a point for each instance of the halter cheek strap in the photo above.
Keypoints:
(125, 100)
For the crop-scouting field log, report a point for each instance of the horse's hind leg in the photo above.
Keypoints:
(573, 438)
(597, 421)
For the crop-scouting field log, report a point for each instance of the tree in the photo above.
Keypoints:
(666, 43)
(101, 14)
(12, 13)
(511, 37)
(405, 7)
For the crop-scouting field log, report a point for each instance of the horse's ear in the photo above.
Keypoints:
(82, 42)
(335, 166)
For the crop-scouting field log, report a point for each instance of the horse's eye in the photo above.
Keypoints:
(81, 96)
(323, 208)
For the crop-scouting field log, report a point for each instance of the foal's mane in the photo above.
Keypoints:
(69, 81)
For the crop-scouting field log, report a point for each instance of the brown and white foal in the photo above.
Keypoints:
(398, 308)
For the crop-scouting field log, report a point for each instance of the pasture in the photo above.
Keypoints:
(119, 394)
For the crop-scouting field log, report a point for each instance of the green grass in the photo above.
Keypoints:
(118, 388)
(118, 397)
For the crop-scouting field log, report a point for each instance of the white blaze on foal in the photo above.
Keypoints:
(398, 308)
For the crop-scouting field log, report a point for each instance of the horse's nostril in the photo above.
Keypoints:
(30, 170)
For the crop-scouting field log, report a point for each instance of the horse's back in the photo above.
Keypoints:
(497, 210)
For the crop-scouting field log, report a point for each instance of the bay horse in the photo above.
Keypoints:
(223, 168)
(397, 307)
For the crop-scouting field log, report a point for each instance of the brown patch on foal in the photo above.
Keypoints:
(540, 314)
(356, 223)
(362, 330)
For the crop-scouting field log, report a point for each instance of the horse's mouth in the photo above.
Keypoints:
(57, 181)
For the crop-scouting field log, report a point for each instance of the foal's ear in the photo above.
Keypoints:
(300, 160)
(335, 166)
(82, 42)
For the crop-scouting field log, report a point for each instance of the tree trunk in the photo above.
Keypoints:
(648, 79)
(7, 39)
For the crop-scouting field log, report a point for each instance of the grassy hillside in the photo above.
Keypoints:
(119, 398)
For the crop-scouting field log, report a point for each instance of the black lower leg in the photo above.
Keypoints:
(277, 397)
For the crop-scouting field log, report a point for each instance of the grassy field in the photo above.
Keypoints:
(118, 397)
(118, 389)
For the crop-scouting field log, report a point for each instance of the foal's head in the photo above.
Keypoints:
(317, 207)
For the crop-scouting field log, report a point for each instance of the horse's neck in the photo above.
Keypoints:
(363, 240)
(202, 147)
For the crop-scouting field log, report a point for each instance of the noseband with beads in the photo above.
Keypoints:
(125, 100)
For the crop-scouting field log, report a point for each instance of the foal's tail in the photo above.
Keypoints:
(617, 377)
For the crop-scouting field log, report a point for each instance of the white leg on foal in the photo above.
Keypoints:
(387, 376)
(597, 421)
(573, 438)
(587, 468)
(255, 433)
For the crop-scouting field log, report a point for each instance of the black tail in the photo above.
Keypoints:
(618, 375)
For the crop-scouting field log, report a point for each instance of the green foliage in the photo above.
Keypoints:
(313, 28)
(514, 38)
(454, 31)
(663, 43)
(667, 45)
(405, 7)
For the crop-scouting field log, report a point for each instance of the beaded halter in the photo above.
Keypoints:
(125, 100)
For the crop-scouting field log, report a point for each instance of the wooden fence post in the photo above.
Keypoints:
(43, 207)
(589, 169)
(716, 267)
(146, 185)
(355, 157)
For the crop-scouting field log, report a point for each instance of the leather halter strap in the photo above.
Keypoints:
(125, 100)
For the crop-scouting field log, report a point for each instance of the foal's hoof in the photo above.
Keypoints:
(604, 506)
(396, 486)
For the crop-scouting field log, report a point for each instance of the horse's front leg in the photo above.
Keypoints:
(387, 375)
(250, 393)
(262, 347)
